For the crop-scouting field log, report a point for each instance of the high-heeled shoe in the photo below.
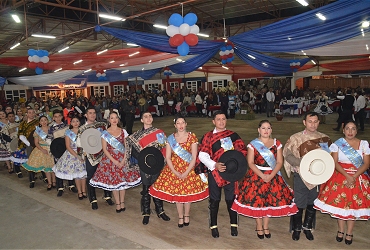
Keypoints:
(348, 242)
(80, 197)
(84, 195)
(118, 210)
(182, 224)
(268, 236)
(123, 208)
(54, 185)
(260, 236)
(186, 223)
(48, 187)
(339, 239)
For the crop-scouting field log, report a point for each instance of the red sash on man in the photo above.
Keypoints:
(211, 145)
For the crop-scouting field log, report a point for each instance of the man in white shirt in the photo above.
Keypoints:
(360, 105)
(160, 101)
(270, 96)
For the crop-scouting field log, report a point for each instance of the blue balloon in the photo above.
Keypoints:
(190, 19)
(176, 20)
(46, 53)
(40, 53)
(223, 61)
(229, 47)
(39, 70)
(232, 58)
(229, 60)
(183, 49)
(97, 28)
(31, 52)
(223, 48)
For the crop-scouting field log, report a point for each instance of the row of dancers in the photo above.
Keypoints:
(260, 193)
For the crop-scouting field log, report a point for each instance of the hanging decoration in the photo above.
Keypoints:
(167, 72)
(183, 32)
(295, 65)
(227, 53)
(37, 60)
(101, 75)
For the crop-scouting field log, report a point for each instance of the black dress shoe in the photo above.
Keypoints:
(215, 233)
(308, 234)
(348, 242)
(164, 216)
(146, 219)
(187, 223)
(60, 193)
(20, 175)
(295, 235)
(32, 184)
(94, 205)
(234, 231)
(73, 189)
(260, 236)
(181, 225)
(339, 239)
(109, 201)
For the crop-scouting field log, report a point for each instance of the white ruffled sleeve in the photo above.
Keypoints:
(364, 146)
(333, 148)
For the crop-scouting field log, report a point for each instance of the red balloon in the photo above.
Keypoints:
(230, 55)
(224, 57)
(229, 64)
(40, 65)
(177, 40)
(171, 42)
(191, 39)
(32, 65)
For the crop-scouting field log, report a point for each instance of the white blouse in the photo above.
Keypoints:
(363, 149)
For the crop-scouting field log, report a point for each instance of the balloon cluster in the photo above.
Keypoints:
(100, 74)
(295, 65)
(167, 72)
(227, 53)
(183, 32)
(37, 60)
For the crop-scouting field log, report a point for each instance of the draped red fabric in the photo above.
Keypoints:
(349, 65)
(93, 61)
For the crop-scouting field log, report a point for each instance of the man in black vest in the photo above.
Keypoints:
(346, 108)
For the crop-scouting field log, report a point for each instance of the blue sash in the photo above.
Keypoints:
(324, 146)
(112, 141)
(267, 155)
(2, 125)
(41, 133)
(161, 138)
(181, 152)
(350, 152)
(71, 135)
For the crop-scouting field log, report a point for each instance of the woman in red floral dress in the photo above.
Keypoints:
(111, 174)
(263, 193)
(178, 183)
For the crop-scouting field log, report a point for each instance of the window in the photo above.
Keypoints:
(174, 85)
(15, 95)
(99, 91)
(47, 94)
(218, 84)
(192, 85)
(118, 89)
(151, 86)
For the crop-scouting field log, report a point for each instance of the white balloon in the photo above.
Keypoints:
(172, 30)
(36, 59)
(232, 51)
(227, 52)
(30, 58)
(98, 75)
(194, 29)
(184, 29)
(44, 59)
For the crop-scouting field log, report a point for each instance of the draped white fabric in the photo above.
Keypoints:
(45, 79)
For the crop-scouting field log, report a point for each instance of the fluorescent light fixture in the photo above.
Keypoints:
(367, 47)
(77, 61)
(362, 32)
(22, 69)
(122, 65)
(289, 38)
(178, 59)
(200, 68)
(65, 48)
(224, 38)
(225, 67)
(16, 18)
(58, 70)
(204, 35)
(101, 52)
(365, 24)
(87, 70)
(264, 64)
(137, 52)
(321, 16)
(304, 53)
(14, 46)
(142, 69)
(43, 36)
(303, 2)
(313, 62)
(150, 61)
(131, 44)
(160, 26)
(105, 70)
(117, 18)
(112, 61)
(251, 56)
(124, 71)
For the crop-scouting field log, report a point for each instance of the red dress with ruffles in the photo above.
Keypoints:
(257, 199)
(170, 188)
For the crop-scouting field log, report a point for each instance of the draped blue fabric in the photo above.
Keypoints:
(116, 75)
(272, 65)
(306, 31)
(2, 81)
(193, 63)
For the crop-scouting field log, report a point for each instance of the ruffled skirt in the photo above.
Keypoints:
(69, 167)
(38, 161)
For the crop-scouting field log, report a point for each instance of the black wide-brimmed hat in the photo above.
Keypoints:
(236, 165)
(151, 160)
(58, 147)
